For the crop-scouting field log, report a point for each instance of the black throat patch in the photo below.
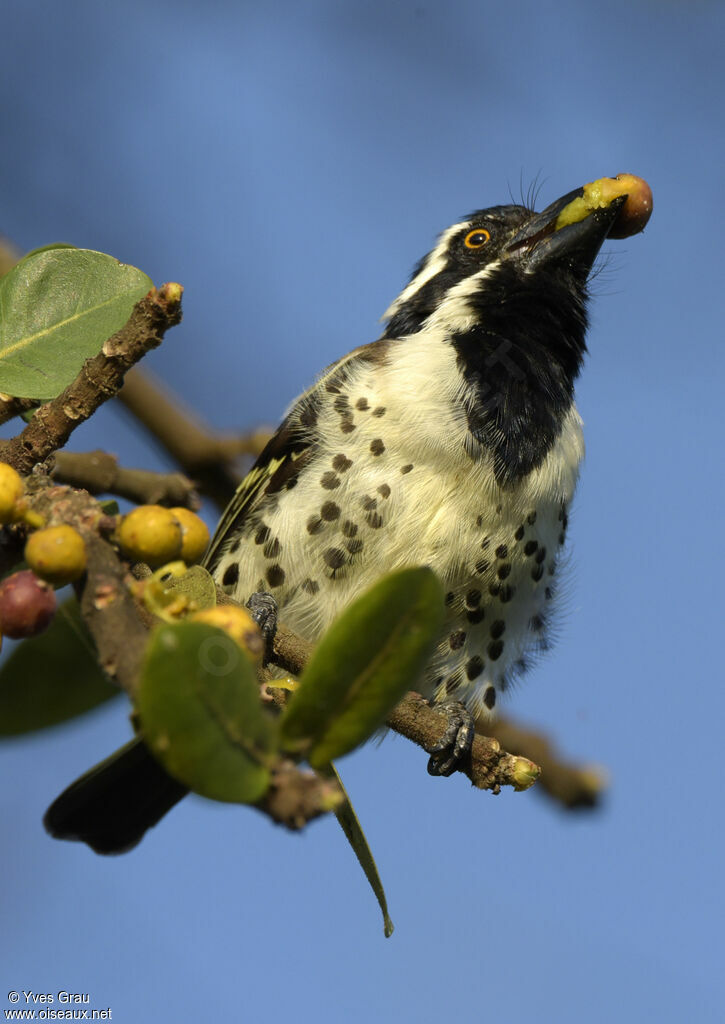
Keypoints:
(521, 360)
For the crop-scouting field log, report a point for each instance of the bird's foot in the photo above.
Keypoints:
(264, 611)
(454, 747)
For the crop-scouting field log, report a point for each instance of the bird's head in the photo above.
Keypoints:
(507, 288)
(513, 252)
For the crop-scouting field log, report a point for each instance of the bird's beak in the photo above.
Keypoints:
(565, 232)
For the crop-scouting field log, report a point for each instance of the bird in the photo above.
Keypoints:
(452, 441)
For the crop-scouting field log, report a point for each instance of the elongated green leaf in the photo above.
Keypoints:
(47, 248)
(363, 665)
(201, 715)
(57, 307)
(350, 825)
(52, 677)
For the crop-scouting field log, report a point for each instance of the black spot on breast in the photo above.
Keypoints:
(536, 623)
(548, 593)
(456, 640)
(450, 598)
(475, 615)
(330, 511)
(531, 518)
(314, 524)
(308, 416)
(341, 463)
(495, 589)
(507, 593)
(384, 491)
(262, 534)
(530, 548)
(474, 667)
(275, 576)
(562, 538)
(379, 411)
(330, 481)
(502, 551)
(485, 543)
(347, 426)
(473, 598)
(453, 682)
(497, 629)
(235, 546)
(369, 503)
(310, 586)
(406, 469)
(362, 404)
(489, 698)
(292, 483)
(503, 571)
(231, 575)
(377, 447)
(374, 520)
(537, 573)
(482, 566)
(519, 533)
(495, 649)
(354, 546)
(334, 557)
(341, 404)
(349, 529)
(540, 556)
(272, 548)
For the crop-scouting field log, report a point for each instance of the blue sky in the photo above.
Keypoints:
(288, 163)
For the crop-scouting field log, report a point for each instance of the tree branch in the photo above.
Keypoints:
(100, 378)
(575, 787)
(11, 407)
(210, 460)
(490, 767)
(98, 472)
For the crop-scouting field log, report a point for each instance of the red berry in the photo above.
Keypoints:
(27, 605)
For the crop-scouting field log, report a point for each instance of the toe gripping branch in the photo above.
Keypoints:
(265, 612)
(454, 747)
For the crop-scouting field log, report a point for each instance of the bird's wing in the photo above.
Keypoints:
(292, 446)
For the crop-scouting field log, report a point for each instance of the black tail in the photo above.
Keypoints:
(115, 802)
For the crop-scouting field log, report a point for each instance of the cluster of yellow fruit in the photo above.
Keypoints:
(56, 555)
(157, 535)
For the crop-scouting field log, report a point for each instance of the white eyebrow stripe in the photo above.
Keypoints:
(435, 262)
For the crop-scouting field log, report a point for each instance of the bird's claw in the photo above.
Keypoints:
(454, 746)
(264, 611)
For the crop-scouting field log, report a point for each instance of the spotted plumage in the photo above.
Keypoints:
(452, 441)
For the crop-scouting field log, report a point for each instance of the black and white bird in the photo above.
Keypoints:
(452, 441)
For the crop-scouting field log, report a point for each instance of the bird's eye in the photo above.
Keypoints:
(477, 238)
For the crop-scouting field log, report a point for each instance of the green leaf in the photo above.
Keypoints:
(52, 677)
(201, 715)
(47, 248)
(350, 825)
(363, 665)
(57, 308)
(196, 584)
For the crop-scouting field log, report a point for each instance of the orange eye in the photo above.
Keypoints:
(477, 238)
